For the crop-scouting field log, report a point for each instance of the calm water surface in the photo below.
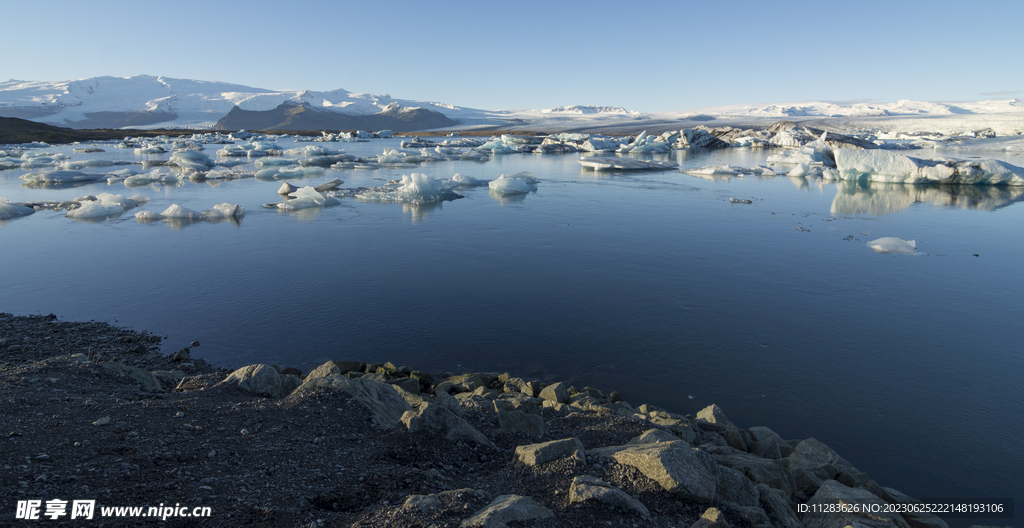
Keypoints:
(652, 284)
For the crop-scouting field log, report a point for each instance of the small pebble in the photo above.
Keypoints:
(179, 414)
(245, 432)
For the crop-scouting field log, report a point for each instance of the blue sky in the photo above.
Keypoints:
(643, 55)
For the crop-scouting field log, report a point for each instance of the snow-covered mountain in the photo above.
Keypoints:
(145, 101)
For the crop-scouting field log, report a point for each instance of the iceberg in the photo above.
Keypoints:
(105, 204)
(893, 245)
(60, 176)
(277, 173)
(306, 198)
(156, 176)
(10, 210)
(599, 163)
(313, 150)
(175, 211)
(467, 181)
(889, 166)
(415, 189)
(817, 151)
(191, 160)
(519, 183)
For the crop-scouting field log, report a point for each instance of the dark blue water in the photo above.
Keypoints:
(651, 284)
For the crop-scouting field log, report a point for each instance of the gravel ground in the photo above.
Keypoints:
(76, 430)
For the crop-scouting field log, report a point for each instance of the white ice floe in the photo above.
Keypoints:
(307, 198)
(415, 189)
(893, 245)
(599, 163)
(177, 212)
(85, 164)
(277, 173)
(888, 166)
(61, 176)
(106, 204)
(313, 150)
(191, 160)
(519, 183)
(275, 162)
(10, 210)
(468, 181)
(645, 143)
(708, 170)
(391, 156)
(162, 176)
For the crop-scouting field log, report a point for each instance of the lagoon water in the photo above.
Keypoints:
(649, 283)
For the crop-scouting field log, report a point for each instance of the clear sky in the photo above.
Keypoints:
(642, 55)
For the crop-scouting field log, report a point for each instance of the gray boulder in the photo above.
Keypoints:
(680, 469)
(423, 503)
(143, 377)
(556, 392)
(437, 419)
(260, 379)
(521, 422)
(756, 469)
(768, 444)
(383, 401)
(326, 370)
(831, 493)
(712, 518)
(713, 419)
(534, 454)
(506, 509)
(778, 507)
(813, 462)
(653, 436)
(593, 489)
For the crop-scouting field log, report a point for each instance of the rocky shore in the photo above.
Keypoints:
(95, 412)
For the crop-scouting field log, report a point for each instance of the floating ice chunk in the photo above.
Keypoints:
(811, 169)
(714, 169)
(467, 181)
(10, 210)
(150, 149)
(156, 176)
(61, 176)
(177, 211)
(888, 166)
(599, 144)
(520, 183)
(313, 150)
(598, 163)
(645, 143)
(84, 164)
(893, 245)
(225, 210)
(106, 204)
(384, 134)
(307, 198)
(191, 160)
(275, 162)
(277, 173)
(415, 189)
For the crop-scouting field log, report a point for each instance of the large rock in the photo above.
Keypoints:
(384, 402)
(262, 380)
(824, 512)
(758, 470)
(556, 392)
(653, 436)
(732, 487)
(593, 489)
(529, 388)
(143, 377)
(778, 507)
(813, 462)
(506, 509)
(326, 370)
(423, 503)
(713, 419)
(712, 518)
(680, 469)
(915, 520)
(437, 419)
(521, 422)
(533, 454)
(768, 443)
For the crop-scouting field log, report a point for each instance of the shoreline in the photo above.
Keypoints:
(97, 412)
